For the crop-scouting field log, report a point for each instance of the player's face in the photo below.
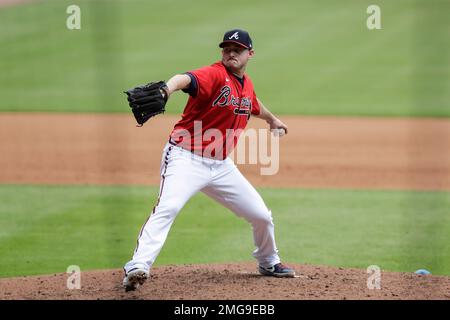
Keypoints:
(235, 57)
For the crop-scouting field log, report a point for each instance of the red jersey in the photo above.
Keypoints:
(216, 113)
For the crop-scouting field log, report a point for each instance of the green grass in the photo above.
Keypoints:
(44, 229)
(312, 57)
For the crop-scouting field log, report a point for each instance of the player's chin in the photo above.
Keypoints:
(227, 63)
(232, 64)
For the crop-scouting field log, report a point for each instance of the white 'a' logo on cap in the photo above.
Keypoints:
(235, 35)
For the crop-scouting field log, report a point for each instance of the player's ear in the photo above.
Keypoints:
(251, 53)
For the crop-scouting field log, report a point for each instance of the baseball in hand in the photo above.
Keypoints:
(279, 132)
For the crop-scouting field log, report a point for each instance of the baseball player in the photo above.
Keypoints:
(221, 101)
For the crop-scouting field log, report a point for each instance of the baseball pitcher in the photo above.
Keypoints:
(221, 101)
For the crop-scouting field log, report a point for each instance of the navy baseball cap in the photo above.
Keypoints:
(238, 36)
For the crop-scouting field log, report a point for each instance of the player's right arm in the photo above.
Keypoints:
(178, 82)
(266, 115)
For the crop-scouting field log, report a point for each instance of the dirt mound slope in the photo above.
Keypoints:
(231, 281)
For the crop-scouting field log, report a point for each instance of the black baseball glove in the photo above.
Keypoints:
(148, 100)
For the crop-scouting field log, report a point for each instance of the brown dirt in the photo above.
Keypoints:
(318, 152)
(231, 282)
(10, 3)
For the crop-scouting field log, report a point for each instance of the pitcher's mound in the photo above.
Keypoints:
(231, 281)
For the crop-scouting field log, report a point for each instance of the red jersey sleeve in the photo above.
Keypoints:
(256, 109)
(207, 79)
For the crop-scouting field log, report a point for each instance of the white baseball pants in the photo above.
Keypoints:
(183, 174)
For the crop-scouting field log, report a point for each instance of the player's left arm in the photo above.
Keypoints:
(271, 120)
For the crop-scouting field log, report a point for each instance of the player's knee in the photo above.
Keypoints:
(264, 218)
